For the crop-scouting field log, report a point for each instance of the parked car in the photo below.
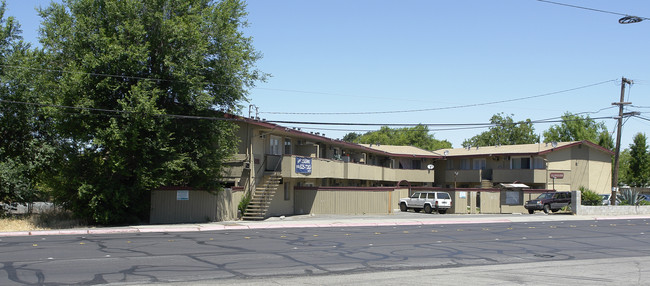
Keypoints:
(427, 201)
(606, 201)
(549, 201)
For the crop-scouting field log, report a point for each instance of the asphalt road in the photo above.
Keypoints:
(371, 255)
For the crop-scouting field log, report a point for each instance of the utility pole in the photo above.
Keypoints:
(620, 104)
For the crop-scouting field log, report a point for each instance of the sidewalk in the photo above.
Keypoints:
(310, 221)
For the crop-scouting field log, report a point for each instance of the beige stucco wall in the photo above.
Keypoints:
(347, 201)
(459, 201)
(202, 206)
(560, 162)
(325, 168)
(490, 202)
(280, 206)
(600, 172)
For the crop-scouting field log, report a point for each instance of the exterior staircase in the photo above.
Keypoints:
(261, 198)
(486, 184)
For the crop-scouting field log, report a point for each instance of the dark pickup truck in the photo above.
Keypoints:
(551, 201)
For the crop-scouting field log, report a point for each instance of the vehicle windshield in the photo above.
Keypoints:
(545, 196)
(415, 196)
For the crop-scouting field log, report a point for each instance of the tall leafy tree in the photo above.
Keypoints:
(417, 136)
(504, 131)
(637, 171)
(128, 67)
(24, 150)
(577, 128)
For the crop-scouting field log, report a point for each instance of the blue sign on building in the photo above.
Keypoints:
(303, 165)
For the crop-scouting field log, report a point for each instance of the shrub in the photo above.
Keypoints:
(244, 203)
(589, 197)
(631, 197)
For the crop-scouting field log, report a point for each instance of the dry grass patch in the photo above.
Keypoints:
(17, 224)
(56, 219)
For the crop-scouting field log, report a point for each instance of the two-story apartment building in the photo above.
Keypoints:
(283, 168)
(560, 166)
(287, 171)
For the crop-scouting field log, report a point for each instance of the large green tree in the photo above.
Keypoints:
(637, 164)
(417, 136)
(24, 150)
(131, 69)
(504, 131)
(577, 128)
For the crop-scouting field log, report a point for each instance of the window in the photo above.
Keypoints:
(513, 197)
(520, 163)
(450, 164)
(464, 164)
(479, 164)
(287, 146)
(432, 196)
(274, 146)
(417, 164)
(539, 163)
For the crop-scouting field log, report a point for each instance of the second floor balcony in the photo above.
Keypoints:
(533, 176)
(326, 168)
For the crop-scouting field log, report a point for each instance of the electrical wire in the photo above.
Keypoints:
(441, 108)
(109, 75)
(641, 117)
(117, 112)
(590, 9)
(451, 126)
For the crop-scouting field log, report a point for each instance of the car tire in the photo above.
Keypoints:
(402, 207)
(531, 211)
(427, 209)
(547, 208)
(442, 211)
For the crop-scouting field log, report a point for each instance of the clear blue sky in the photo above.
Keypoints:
(367, 56)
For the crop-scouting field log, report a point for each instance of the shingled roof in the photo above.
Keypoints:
(522, 149)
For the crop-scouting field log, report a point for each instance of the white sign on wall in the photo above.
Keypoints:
(182, 195)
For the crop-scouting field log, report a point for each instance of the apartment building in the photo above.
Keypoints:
(288, 171)
(561, 166)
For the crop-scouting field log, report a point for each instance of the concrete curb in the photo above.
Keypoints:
(326, 223)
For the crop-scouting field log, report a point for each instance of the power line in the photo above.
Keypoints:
(109, 75)
(116, 112)
(590, 9)
(441, 108)
(641, 117)
(540, 121)
(451, 126)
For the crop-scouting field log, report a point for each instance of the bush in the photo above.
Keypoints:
(589, 197)
(244, 203)
(631, 197)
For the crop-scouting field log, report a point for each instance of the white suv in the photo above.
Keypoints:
(429, 201)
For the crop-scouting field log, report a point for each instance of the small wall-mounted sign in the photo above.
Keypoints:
(557, 175)
(183, 195)
(303, 165)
